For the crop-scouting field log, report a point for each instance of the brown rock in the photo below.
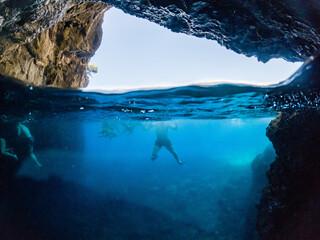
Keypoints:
(265, 29)
(59, 55)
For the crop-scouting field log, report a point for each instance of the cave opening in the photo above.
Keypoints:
(136, 53)
(111, 163)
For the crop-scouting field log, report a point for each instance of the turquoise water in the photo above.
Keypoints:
(208, 195)
(98, 179)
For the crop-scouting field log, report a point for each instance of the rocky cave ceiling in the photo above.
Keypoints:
(49, 42)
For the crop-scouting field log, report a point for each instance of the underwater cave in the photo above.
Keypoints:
(175, 137)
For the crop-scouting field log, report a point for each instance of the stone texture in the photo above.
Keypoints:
(290, 206)
(259, 166)
(266, 29)
(300, 91)
(59, 55)
(20, 21)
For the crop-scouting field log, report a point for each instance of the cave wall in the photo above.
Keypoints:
(59, 55)
(49, 42)
(259, 166)
(266, 29)
(290, 205)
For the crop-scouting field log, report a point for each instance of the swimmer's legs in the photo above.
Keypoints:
(170, 149)
(3, 151)
(155, 151)
(33, 157)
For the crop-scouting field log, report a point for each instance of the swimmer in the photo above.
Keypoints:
(109, 129)
(4, 131)
(164, 141)
(26, 142)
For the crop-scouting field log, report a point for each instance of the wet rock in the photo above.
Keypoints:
(259, 166)
(290, 205)
(300, 92)
(53, 50)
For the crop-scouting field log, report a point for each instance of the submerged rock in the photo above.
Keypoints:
(290, 205)
(259, 166)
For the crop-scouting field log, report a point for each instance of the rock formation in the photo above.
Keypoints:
(259, 166)
(58, 55)
(266, 29)
(49, 43)
(300, 91)
(290, 206)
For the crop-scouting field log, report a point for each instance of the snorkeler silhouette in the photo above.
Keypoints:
(20, 137)
(109, 129)
(115, 128)
(163, 141)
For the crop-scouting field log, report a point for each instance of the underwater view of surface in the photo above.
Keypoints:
(174, 137)
(184, 163)
(187, 162)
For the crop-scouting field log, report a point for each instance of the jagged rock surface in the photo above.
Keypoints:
(290, 206)
(266, 29)
(59, 55)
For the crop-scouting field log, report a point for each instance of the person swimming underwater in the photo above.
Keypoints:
(109, 129)
(162, 130)
(20, 138)
(25, 142)
(7, 130)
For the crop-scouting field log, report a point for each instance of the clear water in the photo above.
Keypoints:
(98, 180)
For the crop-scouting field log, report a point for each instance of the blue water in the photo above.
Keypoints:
(208, 195)
(98, 180)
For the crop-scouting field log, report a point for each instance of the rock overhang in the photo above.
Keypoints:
(265, 29)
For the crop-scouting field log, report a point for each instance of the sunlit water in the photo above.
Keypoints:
(103, 179)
